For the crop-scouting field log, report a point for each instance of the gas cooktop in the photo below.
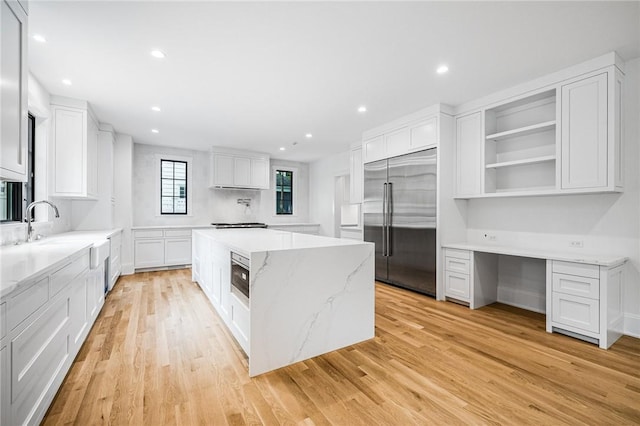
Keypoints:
(239, 225)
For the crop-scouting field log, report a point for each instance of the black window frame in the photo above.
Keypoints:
(186, 187)
(280, 193)
(21, 194)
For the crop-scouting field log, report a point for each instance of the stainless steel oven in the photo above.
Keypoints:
(240, 277)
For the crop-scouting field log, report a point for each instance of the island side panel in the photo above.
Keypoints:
(308, 302)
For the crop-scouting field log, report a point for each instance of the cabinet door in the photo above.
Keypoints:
(356, 184)
(469, 154)
(373, 149)
(69, 140)
(260, 173)
(5, 389)
(92, 158)
(584, 133)
(177, 251)
(13, 92)
(78, 318)
(574, 311)
(242, 172)
(222, 170)
(398, 142)
(424, 135)
(457, 285)
(149, 253)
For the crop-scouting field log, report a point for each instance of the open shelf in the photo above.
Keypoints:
(523, 131)
(524, 161)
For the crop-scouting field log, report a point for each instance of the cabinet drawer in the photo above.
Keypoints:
(27, 302)
(579, 269)
(454, 264)
(148, 233)
(575, 311)
(457, 285)
(177, 232)
(578, 286)
(459, 254)
(65, 275)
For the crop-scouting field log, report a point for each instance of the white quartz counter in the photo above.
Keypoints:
(18, 264)
(95, 235)
(170, 227)
(592, 259)
(254, 240)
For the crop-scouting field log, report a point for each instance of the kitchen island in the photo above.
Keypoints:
(308, 295)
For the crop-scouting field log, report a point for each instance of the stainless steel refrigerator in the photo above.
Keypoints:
(400, 218)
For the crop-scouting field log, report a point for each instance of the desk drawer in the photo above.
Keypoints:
(460, 254)
(578, 269)
(457, 285)
(148, 233)
(455, 264)
(578, 286)
(575, 311)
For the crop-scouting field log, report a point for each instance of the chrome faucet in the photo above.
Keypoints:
(29, 216)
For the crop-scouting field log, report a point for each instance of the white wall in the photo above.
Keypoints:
(211, 205)
(322, 175)
(605, 223)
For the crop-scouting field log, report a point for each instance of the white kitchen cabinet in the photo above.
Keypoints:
(149, 253)
(95, 292)
(38, 351)
(74, 157)
(356, 174)
(115, 258)
(413, 133)
(590, 133)
(177, 251)
(162, 247)
(301, 228)
(13, 92)
(239, 169)
(457, 275)
(240, 321)
(586, 301)
(469, 154)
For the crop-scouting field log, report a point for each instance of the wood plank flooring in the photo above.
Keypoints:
(159, 355)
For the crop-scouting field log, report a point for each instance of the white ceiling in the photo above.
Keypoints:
(261, 75)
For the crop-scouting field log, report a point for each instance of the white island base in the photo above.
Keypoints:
(309, 295)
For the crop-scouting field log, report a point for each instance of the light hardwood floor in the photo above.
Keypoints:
(159, 355)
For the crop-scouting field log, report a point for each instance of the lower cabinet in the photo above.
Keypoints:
(157, 248)
(457, 278)
(240, 322)
(115, 258)
(46, 330)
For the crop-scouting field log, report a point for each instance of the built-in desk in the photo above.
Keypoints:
(583, 293)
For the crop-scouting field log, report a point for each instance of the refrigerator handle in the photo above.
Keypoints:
(384, 219)
(388, 219)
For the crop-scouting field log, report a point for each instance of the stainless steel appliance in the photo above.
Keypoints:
(239, 225)
(240, 277)
(400, 218)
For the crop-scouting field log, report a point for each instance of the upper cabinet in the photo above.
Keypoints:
(412, 133)
(239, 169)
(74, 149)
(558, 135)
(13, 91)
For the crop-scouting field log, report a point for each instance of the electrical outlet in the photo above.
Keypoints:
(490, 237)
(577, 243)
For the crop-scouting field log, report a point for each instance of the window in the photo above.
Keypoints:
(173, 187)
(16, 196)
(284, 192)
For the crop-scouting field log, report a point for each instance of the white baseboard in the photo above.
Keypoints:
(632, 325)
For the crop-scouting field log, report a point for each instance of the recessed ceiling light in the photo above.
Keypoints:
(155, 108)
(66, 82)
(308, 136)
(282, 148)
(39, 38)
(362, 108)
(158, 54)
(442, 69)
(155, 131)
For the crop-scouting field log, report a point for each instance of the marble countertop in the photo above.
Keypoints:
(252, 240)
(96, 235)
(293, 224)
(592, 259)
(19, 264)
